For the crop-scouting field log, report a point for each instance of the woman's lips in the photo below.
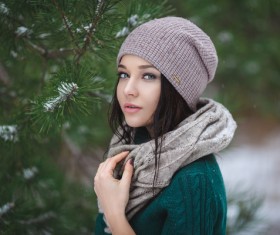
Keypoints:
(131, 108)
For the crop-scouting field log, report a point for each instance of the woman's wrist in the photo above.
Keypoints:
(118, 224)
(114, 216)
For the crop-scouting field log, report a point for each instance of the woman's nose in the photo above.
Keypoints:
(130, 88)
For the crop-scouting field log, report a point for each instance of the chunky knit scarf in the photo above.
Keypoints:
(209, 130)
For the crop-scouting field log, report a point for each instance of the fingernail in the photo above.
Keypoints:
(131, 161)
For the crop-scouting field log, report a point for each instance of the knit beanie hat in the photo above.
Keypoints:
(180, 50)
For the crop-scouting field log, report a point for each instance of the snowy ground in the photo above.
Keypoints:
(255, 165)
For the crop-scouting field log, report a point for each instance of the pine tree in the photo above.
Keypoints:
(57, 63)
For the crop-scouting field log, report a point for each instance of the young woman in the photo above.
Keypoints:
(161, 176)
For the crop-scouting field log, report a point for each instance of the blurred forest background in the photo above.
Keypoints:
(57, 73)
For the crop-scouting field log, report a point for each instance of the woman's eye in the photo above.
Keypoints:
(149, 76)
(122, 75)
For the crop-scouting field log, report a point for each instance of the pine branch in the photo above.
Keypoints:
(82, 165)
(243, 208)
(6, 208)
(92, 29)
(105, 97)
(9, 133)
(73, 84)
(66, 91)
(65, 20)
(51, 54)
(36, 114)
(4, 77)
(40, 219)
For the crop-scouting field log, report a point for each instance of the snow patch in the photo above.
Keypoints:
(123, 32)
(66, 90)
(133, 20)
(44, 35)
(9, 133)
(13, 54)
(23, 31)
(225, 37)
(4, 9)
(29, 173)
(6, 208)
(255, 168)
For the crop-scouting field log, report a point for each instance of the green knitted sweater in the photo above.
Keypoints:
(193, 203)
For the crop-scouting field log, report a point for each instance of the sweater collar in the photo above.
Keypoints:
(141, 135)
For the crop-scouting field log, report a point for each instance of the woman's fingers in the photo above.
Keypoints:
(113, 194)
(127, 174)
(117, 158)
(110, 163)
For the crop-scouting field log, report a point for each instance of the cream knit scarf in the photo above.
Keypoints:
(209, 130)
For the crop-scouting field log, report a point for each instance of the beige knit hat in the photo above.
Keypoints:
(180, 50)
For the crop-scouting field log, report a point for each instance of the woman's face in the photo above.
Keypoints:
(138, 90)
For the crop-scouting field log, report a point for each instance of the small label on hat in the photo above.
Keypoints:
(176, 79)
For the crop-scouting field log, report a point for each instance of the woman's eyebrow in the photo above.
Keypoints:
(140, 66)
(146, 66)
(121, 66)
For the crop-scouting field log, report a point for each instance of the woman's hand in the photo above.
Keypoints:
(113, 194)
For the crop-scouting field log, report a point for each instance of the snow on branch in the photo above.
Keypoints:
(9, 133)
(123, 32)
(40, 219)
(29, 173)
(92, 28)
(66, 91)
(23, 31)
(51, 54)
(99, 5)
(6, 208)
(66, 22)
(132, 22)
(4, 9)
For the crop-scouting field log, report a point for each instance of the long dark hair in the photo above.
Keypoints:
(171, 110)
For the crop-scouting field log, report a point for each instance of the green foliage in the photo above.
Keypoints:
(53, 45)
(41, 199)
(246, 35)
(57, 69)
(243, 208)
(71, 93)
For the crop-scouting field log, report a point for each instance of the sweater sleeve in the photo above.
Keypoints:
(195, 204)
(100, 225)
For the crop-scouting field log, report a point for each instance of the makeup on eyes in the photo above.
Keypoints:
(145, 75)
(151, 75)
(119, 74)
